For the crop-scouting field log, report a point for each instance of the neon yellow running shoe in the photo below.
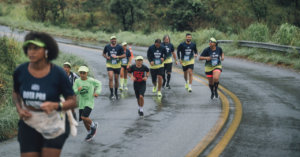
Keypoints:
(154, 89)
(159, 94)
(121, 88)
(190, 89)
(187, 85)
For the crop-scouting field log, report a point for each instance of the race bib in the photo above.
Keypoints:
(114, 61)
(124, 61)
(157, 61)
(214, 62)
(187, 58)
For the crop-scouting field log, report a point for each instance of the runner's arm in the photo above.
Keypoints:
(98, 86)
(149, 55)
(204, 55)
(178, 51)
(75, 87)
(104, 52)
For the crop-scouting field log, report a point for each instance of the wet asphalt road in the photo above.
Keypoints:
(270, 123)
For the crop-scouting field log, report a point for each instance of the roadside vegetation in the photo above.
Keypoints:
(11, 55)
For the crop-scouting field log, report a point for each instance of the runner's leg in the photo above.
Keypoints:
(111, 81)
(50, 152)
(31, 154)
(159, 77)
(125, 77)
(116, 84)
(122, 74)
(190, 76)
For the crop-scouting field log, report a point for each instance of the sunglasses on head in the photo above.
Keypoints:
(212, 41)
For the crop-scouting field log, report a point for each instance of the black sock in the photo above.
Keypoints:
(168, 78)
(116, 91)
(111, 91)
(216, 86)
(211, 88)
(164, 78)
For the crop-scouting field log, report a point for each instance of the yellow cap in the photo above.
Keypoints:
(124, 43)
(113, 37)
(139, 58)
(213, 40)
(83, 68)
(67, 63)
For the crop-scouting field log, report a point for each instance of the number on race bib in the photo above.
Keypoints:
(124, 61)
(157, 61)
(214, 62)
(114, 61)
(187, 58)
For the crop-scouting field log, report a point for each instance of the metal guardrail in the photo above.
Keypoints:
(268, 46)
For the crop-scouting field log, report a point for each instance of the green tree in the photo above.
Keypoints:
(186, 14)
(38, 9)
(259, 8)
(129, 11)
(91, 6)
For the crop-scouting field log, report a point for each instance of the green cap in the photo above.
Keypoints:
(83, 68)
(35, 42)
(67, 63)
(113, 37)
(124, 43)
(139, 58)
(213, 40)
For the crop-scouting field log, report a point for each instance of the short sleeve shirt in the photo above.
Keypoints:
(170, 49)
(139, 74)
(125, 61)
(35, 91)
(113, 51)
(215, 61)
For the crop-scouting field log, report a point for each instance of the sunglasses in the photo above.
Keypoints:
(212, 41)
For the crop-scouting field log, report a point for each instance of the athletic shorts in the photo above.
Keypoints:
(32, 141)
(84, 112)
(185, 68)
(155, 72)
(124, 66)
(140, 91)
(116, 71)
(168, 67)
(210, 74)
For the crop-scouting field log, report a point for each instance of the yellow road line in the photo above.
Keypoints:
(218, 149)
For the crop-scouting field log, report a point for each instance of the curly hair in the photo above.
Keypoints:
(51, 44)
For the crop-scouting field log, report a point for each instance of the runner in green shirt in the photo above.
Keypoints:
(85, 87)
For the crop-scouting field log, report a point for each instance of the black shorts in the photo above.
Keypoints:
(140, 91)
(185, 68)
(210, 74)
(155, 72)
(116, 71)
(168, 67)
(124, 66)
(32, 141)
(84, 112)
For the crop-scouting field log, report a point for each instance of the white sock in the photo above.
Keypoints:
(141, 109)
(90, 131)
(93, 124)
(190, 85)
(186, 81)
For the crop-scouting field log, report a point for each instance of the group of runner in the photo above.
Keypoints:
(39, 85)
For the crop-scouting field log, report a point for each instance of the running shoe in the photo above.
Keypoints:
(141, 114)
(125, 88)
(154, 89)
(159, 94)
(187, 85)
(212, 96)
(168, 86)
(111, 96)
(216, 95)
(117, 96)
(88, 137)
(94, 129)
(190, 89)
(121, 88)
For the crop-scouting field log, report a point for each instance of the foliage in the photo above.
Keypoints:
(256, 32)
(287, 34)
